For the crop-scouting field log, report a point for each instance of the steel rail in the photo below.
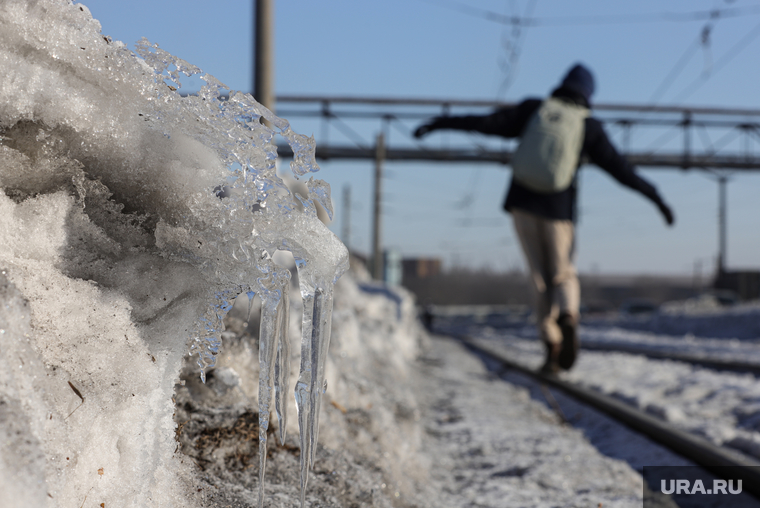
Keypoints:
(711, 363)
(719, 364)
(694, 448)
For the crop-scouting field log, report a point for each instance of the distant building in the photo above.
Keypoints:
(745, 284)
(421, 268)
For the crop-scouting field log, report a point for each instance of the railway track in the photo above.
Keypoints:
(711, 363)
(692, 447)
(701, 360)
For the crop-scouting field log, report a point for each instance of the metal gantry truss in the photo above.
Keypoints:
(718, 141)
(652, 136)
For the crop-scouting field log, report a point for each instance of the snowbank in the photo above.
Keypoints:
(698, 317)
(119, 254)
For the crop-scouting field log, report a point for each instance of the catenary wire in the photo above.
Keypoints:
(600, 19)
(675, 71)
(513, 45)
(724, 60)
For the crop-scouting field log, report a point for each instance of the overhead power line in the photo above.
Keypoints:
(599, 19)
(722, 62)
(512, 40)
(702, 40)
(675, 71)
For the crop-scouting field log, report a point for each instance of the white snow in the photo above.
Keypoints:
(723, 407)
(114, 234)
(114, 245)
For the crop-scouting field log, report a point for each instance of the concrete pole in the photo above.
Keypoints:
(722, 223)
(263, 54)
(377, 248)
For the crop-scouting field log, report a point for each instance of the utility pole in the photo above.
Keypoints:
(722, 180)
(347, 216)
(377, 248)
(263, 53)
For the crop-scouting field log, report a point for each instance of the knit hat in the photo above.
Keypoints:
(579, 79)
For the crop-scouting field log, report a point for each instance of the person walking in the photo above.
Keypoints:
(556, 135)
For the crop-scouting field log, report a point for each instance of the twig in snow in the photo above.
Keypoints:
(79, 394)
(88, 492)
(340, 407)
(553, 403)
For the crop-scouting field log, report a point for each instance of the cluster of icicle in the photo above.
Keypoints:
(262, 217)
(259, 216)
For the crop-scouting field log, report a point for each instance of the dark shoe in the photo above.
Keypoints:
(570, 343)
(551, 365)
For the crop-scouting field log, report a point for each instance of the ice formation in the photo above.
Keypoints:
(117, 189)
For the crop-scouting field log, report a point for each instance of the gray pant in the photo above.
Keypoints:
(549, 247)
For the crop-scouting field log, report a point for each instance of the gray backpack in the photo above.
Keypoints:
(547, 157)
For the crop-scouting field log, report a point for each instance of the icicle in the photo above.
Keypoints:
(207, 341)
(302, 403)
(282, 364)
(315, 343)
(303, 385)
(314, 372)
(273, 307)
(320, 337)
(250, 295)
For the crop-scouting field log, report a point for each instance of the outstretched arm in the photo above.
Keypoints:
(602, 153)
(507, 122)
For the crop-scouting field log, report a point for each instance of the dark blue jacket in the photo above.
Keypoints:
(511, 122)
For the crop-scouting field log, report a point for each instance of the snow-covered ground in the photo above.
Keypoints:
(723, 407)
(437, 427)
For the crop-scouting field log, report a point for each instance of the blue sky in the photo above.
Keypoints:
(440, 49)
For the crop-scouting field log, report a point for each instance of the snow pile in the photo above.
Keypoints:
(709, 349)
(693, 306)
(700, 317)
(127, 213)
(741, 321)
